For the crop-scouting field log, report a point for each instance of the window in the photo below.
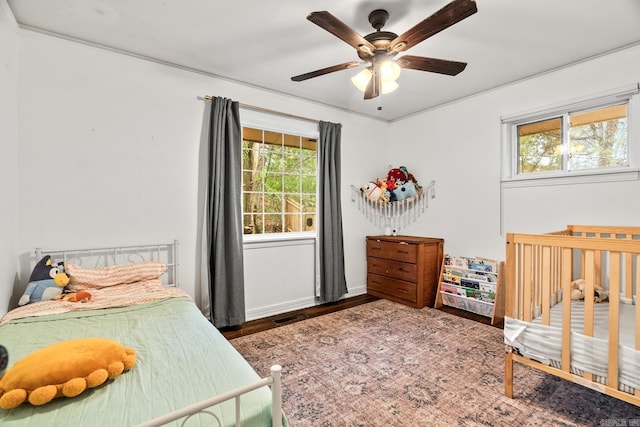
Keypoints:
(594, 139)
(279, 175)
(590, 136)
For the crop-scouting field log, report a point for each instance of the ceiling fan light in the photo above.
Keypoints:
(388, 87)
(361, 80)
(389, 71)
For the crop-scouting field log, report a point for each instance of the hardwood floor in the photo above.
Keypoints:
(258, 325)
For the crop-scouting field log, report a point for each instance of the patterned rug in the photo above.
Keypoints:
(384, 364)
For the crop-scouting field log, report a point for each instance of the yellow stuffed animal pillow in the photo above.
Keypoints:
(64, 369)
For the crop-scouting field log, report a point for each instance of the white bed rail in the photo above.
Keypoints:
(109, 256)
(201, 407)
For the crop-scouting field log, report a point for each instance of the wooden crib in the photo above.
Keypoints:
(593, 344)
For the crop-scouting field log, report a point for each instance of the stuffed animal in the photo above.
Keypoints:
(577, 291)
(410, 177)
(46, 282)
(80, 296)
(391, 184)
(404, 191)
(64, 369)
(383, 186)
(372, 191)
(396, 175)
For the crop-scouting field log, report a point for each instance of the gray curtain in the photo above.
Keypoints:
(333, 284)
(224, 215)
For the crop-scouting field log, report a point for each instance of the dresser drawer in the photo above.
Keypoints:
(392, 287)
(394, 269)
(397, 251)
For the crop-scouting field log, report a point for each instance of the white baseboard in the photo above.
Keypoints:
(284, 307)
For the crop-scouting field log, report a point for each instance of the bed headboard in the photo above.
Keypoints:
(104, 257)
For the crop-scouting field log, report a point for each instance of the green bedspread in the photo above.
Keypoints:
(181, 359)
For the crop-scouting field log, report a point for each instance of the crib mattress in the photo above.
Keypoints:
(181, 359)
(590, 354)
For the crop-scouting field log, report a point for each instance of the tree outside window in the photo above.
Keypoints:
(595, 139)
(279, 174)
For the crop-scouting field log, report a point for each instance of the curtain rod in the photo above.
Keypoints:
(267, 110)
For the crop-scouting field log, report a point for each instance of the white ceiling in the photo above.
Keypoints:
(263, 43)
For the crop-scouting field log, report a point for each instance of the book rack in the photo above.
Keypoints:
(472, 284)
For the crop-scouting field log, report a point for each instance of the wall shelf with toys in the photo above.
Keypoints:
(394, 202)
(473, 284)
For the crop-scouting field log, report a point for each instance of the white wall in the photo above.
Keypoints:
(109, 155)
(9, 157)
(459, 146)
(110, 147)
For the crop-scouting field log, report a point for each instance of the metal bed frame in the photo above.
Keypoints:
(168, 253)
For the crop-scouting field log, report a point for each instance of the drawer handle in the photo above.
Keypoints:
(403, 252)
(406, 291)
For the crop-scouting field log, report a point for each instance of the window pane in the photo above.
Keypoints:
(273, 182)
(273, 140)
(309, 147)
(292, 203)
(252, 223)
(273, 223)
(292, 143)
(308, 202)
(292, 223)
(292, 183)
(291, 162)
(251, 181)
(279, 180)
(598, 138)
(273, 160)
(540, 146)
(309, 221)
(309, 165)
(309, 184)
(252, 202)
(273, 202)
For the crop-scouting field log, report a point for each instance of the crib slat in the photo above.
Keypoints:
(510, 278)
(567, 265)
(527, 296)
(614, 318)
(589, 277)
(628, 291)
(546, 285)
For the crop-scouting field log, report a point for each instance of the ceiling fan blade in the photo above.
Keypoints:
(454, 12)
(433, 65)
(341, 30)
(324, 71)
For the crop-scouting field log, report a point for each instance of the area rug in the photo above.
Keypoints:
(384, 364)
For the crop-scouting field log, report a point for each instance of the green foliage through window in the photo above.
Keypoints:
(594, 139)
(279, 176)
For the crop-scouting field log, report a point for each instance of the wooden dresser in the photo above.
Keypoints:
(404, 269)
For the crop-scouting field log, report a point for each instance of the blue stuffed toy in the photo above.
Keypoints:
(46, 282)
(406, 190)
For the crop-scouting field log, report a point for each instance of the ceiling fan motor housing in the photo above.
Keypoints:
(378, 18)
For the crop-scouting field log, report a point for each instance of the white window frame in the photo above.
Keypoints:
(509, 141)
(274, 122)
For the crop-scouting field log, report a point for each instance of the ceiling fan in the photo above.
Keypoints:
(380, 47)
